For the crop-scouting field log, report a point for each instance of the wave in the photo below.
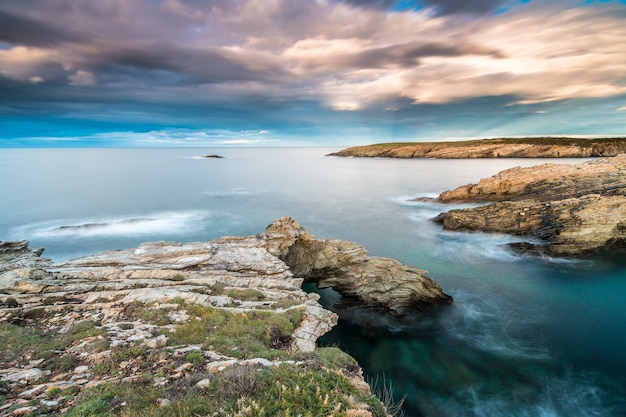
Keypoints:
(487, 326)
(571, 394)
(170, 222)
(410, 200)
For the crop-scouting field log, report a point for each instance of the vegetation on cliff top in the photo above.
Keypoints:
(592, 146)
(211, 364)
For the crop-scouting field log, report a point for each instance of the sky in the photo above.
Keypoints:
(116, 73)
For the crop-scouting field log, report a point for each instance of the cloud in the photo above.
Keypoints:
(82, 78)
(284, 63)
(446, 7)
(24, 30)
(167, 137)
(440, 7)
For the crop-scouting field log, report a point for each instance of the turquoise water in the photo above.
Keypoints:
(524, 337)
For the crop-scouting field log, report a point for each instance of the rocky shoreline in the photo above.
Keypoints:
(548, 147)
(167, 319)
(568, 210)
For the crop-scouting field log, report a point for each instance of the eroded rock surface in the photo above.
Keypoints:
(348, 268)
(547, 182)
(573, 210)
(155, 311)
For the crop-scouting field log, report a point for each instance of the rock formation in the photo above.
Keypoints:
(605, 176)
(347, 268)
(550, 147)
(572, 210)
(158, 309)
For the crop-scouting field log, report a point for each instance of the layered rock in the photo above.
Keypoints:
(547, 182)
(572, 210)
(347, 268)
(132, 303)
(161, 272)
(550, 147)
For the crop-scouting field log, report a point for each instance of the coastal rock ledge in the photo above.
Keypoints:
(169, 317)
(568, 209)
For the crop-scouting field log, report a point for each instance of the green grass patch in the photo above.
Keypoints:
(287, 390)
(146, 313)
(242, 335)
(17, 341)
(246, 294)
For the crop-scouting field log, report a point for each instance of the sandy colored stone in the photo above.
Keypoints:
(492, 148)
(348, 268)
(568, 210)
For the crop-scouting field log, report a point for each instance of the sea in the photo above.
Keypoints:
(525, 336)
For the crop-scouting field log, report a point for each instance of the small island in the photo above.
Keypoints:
(531, 147)
(213, 156)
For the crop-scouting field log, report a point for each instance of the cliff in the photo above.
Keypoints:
(212, 328)
(568, 210)
(548, 147)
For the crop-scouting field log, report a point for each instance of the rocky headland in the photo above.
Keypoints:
(568, 210)
(546, 147)
(170, 329)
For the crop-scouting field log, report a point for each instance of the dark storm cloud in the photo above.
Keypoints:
(192, 64)
(442, 7)
(407, 55)
(445, 7)
(23, 30)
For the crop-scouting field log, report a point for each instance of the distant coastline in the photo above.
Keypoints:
(532, 147)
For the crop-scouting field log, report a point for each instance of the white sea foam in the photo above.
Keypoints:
(169, 222)
(566, 395)
(486, 325)
(410, 200)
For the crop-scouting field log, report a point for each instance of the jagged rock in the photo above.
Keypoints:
(547, 182)
(347, 268)
(17, 255)
(571, 227)
(573, 210)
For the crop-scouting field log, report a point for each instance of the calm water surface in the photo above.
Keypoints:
(525, 337)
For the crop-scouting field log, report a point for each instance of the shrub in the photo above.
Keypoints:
(247, 294)
(196, 358)
(146, 313)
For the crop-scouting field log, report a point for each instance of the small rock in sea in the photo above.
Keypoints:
(213, 156)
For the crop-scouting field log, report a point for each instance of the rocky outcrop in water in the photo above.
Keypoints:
(550, 147)
(571, 210)
(347, 268)
(547, 182)
(169, 317)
